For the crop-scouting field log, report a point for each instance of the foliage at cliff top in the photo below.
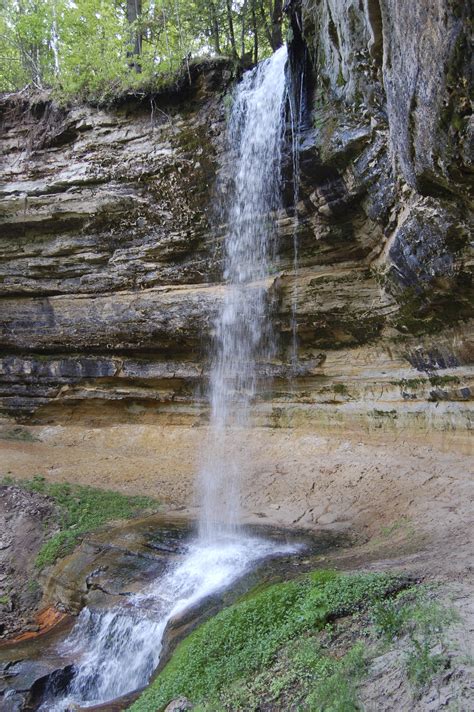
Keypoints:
(80, 510)
(92, 48)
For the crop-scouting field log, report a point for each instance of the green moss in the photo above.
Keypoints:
(238, 644)
(19, 434)
(384, 413)
(428, 311)
(4, 600)
(395, 526)
(341, 82)
(81, 510)
(409, 383)
(340, 389)
(444, 380)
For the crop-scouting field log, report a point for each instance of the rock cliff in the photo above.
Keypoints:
(110, 255)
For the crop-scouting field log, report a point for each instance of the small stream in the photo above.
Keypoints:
(117, 650)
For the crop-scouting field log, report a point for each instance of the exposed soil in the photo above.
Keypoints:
(404, 503)
(25, 520)
(404, 498)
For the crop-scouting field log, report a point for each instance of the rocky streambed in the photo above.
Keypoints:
(104, 573)
(112, 564)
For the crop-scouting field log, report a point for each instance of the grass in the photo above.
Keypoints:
(268, 651)
(80, 510)
(219, 664)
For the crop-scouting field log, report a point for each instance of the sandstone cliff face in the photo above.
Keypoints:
(110, 270)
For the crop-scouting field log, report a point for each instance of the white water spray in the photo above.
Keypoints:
(242, 334)
(119, 649)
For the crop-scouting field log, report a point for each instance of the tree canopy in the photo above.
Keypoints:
(96, 47)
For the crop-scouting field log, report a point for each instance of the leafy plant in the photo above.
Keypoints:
(422, 663)
(231, 649)
(424, 622)
(389, 618)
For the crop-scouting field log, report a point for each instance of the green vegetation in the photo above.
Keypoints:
(422, 664)
(226, 657)
(81, 510)
(99, 48)
(424, 622)
(383, 413)
(283, 646)
(319, 680)
(19, 434)
(341, 82)
(410, 383)
(395, 526)
(340, 389)
(444, 380)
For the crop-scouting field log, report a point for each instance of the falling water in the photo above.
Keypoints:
(242, 334)
(118, 649)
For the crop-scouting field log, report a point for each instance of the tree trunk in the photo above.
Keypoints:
(214, 26)
(255, 33)
(230, 22)
(134, 11)
(243, 14)
(277, 19)
(264, 19)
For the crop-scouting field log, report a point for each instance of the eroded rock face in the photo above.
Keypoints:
(24, 518)
(110, 272)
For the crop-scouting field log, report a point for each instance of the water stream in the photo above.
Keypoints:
(118, 649)
(243, 336)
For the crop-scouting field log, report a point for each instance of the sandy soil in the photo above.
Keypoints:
(394, 494)
(404, 502)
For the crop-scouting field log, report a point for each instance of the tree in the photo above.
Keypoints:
(99, 47)
(134, 12)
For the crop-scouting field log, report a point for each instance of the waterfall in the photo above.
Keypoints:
(118, 649)
(242, 334)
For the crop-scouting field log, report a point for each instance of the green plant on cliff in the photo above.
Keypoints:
(221, 664)
(80, 509)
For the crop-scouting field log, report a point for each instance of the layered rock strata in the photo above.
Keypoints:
(110, 253)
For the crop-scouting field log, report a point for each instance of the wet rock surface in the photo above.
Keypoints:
(113, 564)
(110, 565)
